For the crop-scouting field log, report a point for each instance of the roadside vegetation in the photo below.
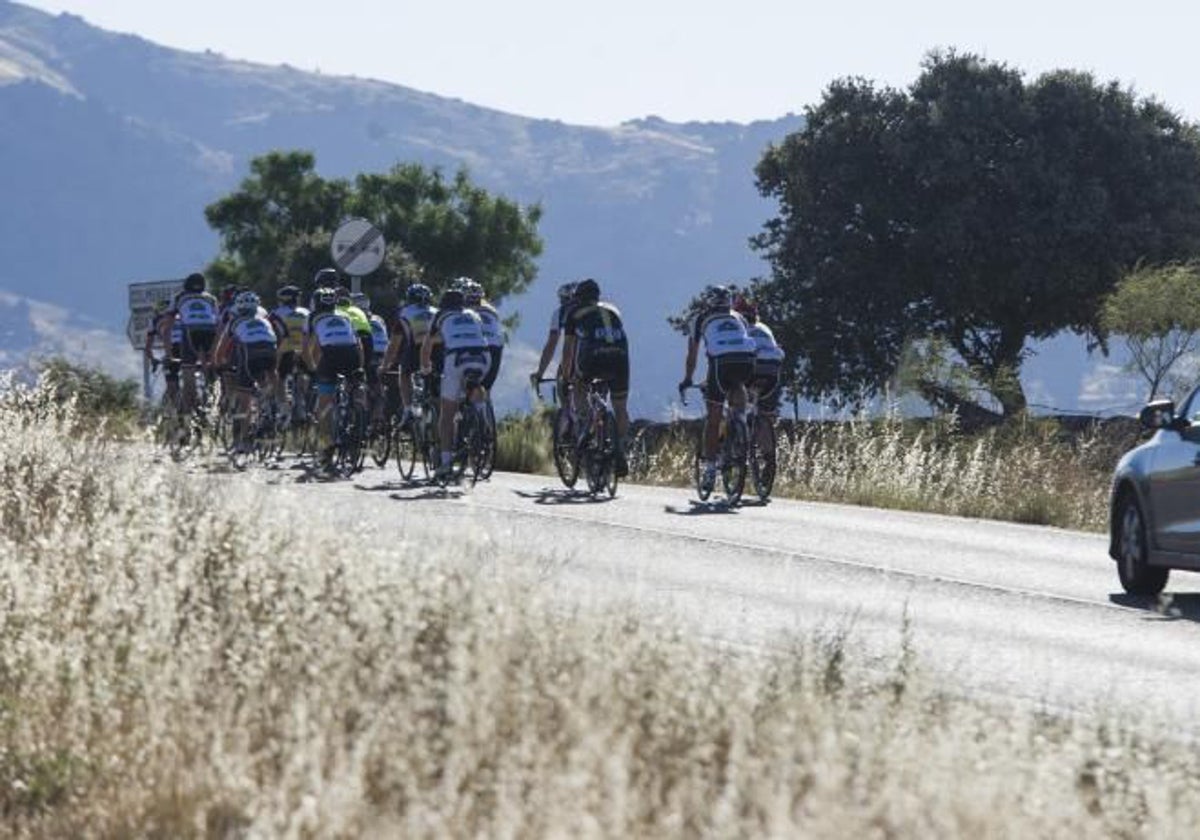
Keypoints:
(178, 659)
(1034, 471)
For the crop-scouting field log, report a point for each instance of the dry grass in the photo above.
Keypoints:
(1033, 472)
(181, 662)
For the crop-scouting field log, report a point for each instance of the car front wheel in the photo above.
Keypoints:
(1137, 576)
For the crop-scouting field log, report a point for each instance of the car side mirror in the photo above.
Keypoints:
(1160, 414)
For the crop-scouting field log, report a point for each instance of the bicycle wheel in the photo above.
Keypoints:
(463, 435)
(733, 467)
(407, 447)
(240, 447)
(488, 442)
(566, 461)
(610, 453)
(703, 490)
(380, 439)
(762, 459)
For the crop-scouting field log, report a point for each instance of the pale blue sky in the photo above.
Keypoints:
(606, 61)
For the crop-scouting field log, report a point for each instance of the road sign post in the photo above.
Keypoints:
(143, 297)
(357, 248)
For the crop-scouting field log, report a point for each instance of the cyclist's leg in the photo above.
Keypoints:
(714, 401)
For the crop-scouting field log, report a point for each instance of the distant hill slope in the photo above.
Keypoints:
(114, 145)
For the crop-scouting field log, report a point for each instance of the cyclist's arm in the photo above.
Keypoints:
(547, 352)
(220, 355)
(427, 351)
(689, 366)
(148, 347)
(395, 344)
(570, 344)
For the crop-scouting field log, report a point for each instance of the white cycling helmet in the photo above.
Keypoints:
(246, 304)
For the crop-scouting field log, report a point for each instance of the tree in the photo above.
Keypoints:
(973, 212)
(276, 228)
(1156, 309)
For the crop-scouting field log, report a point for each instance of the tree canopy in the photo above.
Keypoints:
(975, 212)
(276, 228)
(1156, 310)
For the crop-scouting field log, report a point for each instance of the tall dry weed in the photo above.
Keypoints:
(178, 658)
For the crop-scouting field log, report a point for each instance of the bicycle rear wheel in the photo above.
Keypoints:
(566, 461)
(488, 442)
(407, 449)
(762, 459)
(702, 489)
(733, 468)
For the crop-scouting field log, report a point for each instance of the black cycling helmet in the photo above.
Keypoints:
(194, 282)
(451, 299)
(325, 278)
(288, 294)
(324, 300)
(419, 293)
(588, 291)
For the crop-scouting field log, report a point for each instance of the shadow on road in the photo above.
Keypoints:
(696, 508)
(430, 493)
(561, 496)
(1177, 606)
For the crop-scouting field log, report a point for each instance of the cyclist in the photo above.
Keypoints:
(458, 331)
(167, 330)
(250, 344)
(289, 320)
(768, 364)
(380, 340)
(566, 292)
(493, 330)
(596, 347)
(730, 353)
(197, 312)
(412, 325)
(331, 348)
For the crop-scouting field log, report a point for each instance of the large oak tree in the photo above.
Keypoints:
(974, 211)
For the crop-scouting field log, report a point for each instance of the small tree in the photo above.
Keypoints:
(1156, 310)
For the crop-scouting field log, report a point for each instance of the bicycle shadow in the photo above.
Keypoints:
(431, 494)
(1178, 606)
(698, 508)
(562, 496)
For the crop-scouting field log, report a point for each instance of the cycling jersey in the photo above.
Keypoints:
(362, 325)
(493, 330)
(461, 330)
(602, 347)
(723, 333)
(332, 329)
(379, 335)
(253, 331)
(290, 323)
(196, 309)
(176, 327)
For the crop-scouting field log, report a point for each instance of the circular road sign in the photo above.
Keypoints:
(357, 247)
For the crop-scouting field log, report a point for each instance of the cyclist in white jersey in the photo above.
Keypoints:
(730, 352)
(249, 342)
(566, 292)
(197, 311)
(404, 349)
(331, 348)
(493, 329)
(768, 365)
(459, 332)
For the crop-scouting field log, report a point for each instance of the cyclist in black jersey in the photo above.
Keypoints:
(597, 348)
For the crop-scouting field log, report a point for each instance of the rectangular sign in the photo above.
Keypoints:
(142, 298)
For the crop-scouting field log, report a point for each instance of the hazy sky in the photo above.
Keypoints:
(607, 61)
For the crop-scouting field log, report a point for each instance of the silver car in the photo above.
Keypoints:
(1154, 521)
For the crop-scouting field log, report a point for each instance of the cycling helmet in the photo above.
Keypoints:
(194, 283)
(566, 292)
(473, 293)
(288, 294)
(588, 291)
(324, 300)
(716, 297)
(451, 299)
(746, 307)
(325, 278)
(419, 293)
(246, 304)
(461, 284)
(361, 300)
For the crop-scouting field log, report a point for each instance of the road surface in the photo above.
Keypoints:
(990, 608)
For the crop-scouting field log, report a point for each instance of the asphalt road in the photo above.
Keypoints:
(989, 608)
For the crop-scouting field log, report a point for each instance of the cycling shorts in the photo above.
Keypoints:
(288, 360)
(767, 376)
(457, 367)
(336, 361)
(493, 371)
(196, 342)
(610, 364)
(254, 362)
(727, 372)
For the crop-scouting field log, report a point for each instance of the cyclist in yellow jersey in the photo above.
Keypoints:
(290, 321)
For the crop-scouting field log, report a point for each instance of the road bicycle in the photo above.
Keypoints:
(597, 446)
(732, 452)
(762, 447)
(349, 427)
(474, 437)
(566, 456)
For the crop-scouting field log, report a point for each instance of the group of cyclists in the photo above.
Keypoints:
(453, 347)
